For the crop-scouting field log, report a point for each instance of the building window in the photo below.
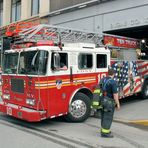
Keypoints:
(15, 10)
(34, 7)
(61, 4)
(1, 12)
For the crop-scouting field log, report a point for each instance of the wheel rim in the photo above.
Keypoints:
(78, 108)
(146, 91)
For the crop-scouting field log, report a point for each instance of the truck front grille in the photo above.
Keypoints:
(17, 85)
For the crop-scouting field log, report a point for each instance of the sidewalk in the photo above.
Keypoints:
(135, 113)
(131, 113)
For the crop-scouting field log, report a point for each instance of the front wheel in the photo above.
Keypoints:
(145, 90)
(79, 109)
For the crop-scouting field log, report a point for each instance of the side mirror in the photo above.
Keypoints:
(56, 61)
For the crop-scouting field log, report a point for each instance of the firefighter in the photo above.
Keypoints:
(96, 105)
(109, 100)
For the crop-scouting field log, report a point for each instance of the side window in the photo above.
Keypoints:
(59, 61)
(85, 61)
(101, 60)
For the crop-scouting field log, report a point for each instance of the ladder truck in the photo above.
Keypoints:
(50, 72)
(131, 72)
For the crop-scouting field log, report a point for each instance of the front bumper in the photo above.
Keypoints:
(23, 113)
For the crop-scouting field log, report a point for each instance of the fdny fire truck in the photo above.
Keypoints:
(131, 72)
(51, 71)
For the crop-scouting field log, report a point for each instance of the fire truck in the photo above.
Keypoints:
(131, 72)
(50, 72)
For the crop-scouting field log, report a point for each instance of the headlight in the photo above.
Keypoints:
(6, 96)
(30, 102)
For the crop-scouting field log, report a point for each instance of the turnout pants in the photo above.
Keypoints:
(106, 119)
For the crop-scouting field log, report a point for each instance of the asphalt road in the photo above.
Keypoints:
(58, 133)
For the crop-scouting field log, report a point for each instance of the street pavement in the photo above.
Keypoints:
(58, 133)
(133, 112)
(11, 137)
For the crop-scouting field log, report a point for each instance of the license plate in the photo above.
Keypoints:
(9, 110)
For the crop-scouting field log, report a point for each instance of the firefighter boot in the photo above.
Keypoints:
(107, 135)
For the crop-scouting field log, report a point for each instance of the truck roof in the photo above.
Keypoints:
(74, 47)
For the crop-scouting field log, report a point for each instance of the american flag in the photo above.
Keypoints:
(128, 75)
(142, 68)
(137, 84)
(121, 75)
(117, 67)
(134, 69)
(136, 77)
(125, 75)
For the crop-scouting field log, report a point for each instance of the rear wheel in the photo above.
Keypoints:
(79, 109)
(145, 90)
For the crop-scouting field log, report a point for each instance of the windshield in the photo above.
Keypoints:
(30, 62)
(10, 63)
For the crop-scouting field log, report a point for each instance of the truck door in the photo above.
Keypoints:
(59, 82)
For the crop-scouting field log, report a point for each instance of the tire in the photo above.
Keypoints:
(79, 109)
(145, 90)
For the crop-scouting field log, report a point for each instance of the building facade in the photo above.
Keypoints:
(128, 17)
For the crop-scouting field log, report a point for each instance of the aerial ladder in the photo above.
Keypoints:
(28, 32)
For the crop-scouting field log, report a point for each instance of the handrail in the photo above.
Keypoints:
(15, 28)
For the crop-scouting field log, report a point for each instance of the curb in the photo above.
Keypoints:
(138, 122)
(141, 122)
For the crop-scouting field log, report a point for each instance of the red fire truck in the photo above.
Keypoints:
(51, 71)
(131, 72)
